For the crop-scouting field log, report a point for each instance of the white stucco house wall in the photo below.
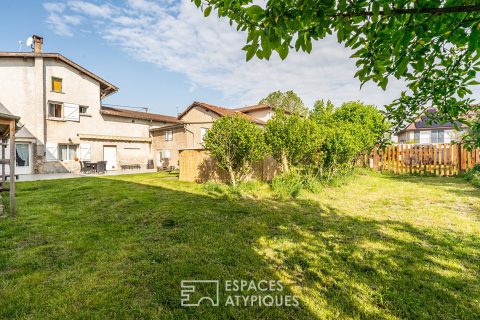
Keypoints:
(60, 106)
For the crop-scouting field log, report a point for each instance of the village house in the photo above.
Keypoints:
(168, 141)
(62, 118)
(422, 132)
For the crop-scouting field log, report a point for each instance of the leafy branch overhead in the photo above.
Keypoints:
(432, 45)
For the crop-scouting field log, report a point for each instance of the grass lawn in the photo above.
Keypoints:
(118, 246)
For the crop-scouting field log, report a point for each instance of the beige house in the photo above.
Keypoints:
(62, 117)
(167, 141)
(423, 132)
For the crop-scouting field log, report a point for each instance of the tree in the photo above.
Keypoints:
(370, 124)
(235, 143)
(293, 139)
(322, 112)
(349, 131)
(472, 140)
(433, 45)
(288, 101)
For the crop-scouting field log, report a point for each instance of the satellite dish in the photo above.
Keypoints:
(29, 42)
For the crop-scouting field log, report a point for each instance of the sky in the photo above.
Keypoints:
(164, 54)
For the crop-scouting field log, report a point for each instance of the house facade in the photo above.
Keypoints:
(423, 132)
(62, 118)
(168, 141)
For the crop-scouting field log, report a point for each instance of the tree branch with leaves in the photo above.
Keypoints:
(432, 45)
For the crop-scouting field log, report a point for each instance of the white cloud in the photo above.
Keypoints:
(176, 37)
(91, 9)
(60, 22)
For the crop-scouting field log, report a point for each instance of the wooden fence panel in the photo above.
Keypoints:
(434, 159)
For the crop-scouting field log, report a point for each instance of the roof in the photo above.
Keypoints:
(106, 87)
(258, 107)
(223, 112)
(124, 113)
(422, 123)
(173, 126)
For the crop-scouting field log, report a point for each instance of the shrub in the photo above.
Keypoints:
(292, 139)
(235, 143)
(287, 185)
(473, 175)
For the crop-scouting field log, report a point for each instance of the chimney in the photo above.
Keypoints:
(37, 44)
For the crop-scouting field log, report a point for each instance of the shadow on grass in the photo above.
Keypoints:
(119, 247)
(455, 185)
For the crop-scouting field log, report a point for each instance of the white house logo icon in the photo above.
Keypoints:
(194, 292)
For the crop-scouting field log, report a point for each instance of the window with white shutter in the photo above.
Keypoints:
(52, 151)
(85, 151)
(71, 112)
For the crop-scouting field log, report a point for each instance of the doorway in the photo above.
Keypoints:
(110, 155)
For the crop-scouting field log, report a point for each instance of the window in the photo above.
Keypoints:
(166, 154)
(168, 135)
(416, 137)
(55, 110)
(22, 155)
(83, 109)
(67, 152)
(56, 84)
(438, 136)
(203, 132)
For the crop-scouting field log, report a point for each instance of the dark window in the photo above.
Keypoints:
(83, 109)
(55, 110)
(416, 136)
(438, 136)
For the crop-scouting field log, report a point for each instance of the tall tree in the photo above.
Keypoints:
(288, 101)
(292, 139)
(433, 45)
(322, 111)
(235, 143)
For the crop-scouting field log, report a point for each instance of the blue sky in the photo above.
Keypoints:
(164, 54)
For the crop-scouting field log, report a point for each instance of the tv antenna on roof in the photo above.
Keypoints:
(29, 42)
(20, 46)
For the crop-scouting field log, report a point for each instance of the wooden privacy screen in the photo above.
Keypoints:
(434, 159)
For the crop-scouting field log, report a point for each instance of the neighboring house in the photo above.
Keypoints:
(59, 103)
(195, 121)
(421, 132)
(263, 112)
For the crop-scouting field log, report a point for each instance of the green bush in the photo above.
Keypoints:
(473, 175)
(311, 183)
(287, 185)
(214, 187)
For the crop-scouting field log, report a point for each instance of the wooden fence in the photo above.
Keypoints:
(196, 165)
(434, 159)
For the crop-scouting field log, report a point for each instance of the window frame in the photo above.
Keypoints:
(61, 110)
(68, 145)
(167, 154)
(168, 137)
(436, 134)
(80, 110)
(203, 132)
(416, 136)
(61, 84)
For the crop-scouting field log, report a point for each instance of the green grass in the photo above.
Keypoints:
(380, 247)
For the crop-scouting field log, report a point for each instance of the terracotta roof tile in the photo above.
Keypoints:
(119, 112)
(220, 111)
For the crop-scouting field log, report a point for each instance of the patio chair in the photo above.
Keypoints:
(84, 167)
(102, 166)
